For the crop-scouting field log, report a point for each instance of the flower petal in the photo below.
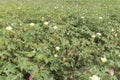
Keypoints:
(30, 77)
(112, 72)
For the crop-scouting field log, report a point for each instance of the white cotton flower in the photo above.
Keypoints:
(13, 24)
(55, 55)
(9, 28)
(100, 17)
(82, 17)
(46, 23)
(19, 8)
(34, 51)
(95, 77)
(32, 24)
(42, 18)
(119, 55)
(93, 36)
(20, 24)
(57, 48)
(55, 27)
(99, 34)
(56, 7)
(115, 35)
(68, 33)
(77, 6)
(103, 59)
(113, 30)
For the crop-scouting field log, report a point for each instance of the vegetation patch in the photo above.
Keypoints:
(60, 40)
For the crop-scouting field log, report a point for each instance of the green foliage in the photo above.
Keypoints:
(60, 40)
